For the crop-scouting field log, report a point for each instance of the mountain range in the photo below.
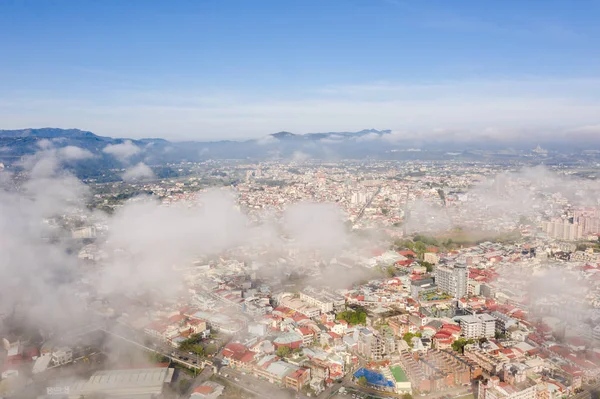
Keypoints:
(14, 144)
(364, 144)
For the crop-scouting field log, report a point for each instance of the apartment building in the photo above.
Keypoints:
(503, 322)
(374, 345)
(62, 356)
(326, 301)
(437, 371)
(301, 307)
(494, 389)
(452, 279)
(489, 363)
(586, 256)
(477, 326)
(431, 257)
(563, 230)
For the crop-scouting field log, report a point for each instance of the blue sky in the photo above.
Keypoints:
(245, 68)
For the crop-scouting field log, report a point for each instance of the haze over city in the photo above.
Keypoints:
(299, 199)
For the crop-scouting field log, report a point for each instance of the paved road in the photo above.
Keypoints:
(368, 204)
(330, 391)
(173, 354)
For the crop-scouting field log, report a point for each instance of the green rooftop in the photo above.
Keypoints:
(399, 374)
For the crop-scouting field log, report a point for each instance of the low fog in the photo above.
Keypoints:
(498, 203)
(143, 243)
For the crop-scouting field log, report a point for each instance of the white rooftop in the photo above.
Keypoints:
(133, 384)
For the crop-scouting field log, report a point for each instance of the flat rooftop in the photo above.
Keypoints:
(135, 383)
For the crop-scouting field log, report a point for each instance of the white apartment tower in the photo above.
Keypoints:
(452, 279)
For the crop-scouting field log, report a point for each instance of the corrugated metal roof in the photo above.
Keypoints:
(125, 383)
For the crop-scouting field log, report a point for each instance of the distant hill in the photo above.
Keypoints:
(364, 144)
(331, 135)
(15, 144)
(49, 133)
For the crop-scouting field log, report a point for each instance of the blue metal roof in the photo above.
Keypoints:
(373, 377)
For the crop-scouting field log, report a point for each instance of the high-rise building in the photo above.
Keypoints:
(359, 198)
(563, 230)
(590, 221)
(452, 279)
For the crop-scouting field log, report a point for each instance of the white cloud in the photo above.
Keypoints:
(141, 171)
(266, 140)
(316, 225)
(369, 137)
(49, 160)
(72, 153)
(122, 151)
(44, 144)
(589, 130)
(299, 156)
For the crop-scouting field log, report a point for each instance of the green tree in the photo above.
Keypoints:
(391, 270)
(408, 338)
(459, 345)
(362, 381)
(404, 244)
(353, 317)
(283, 351)
(211, 349)
(428, 266)
(420, 248)
(407, 396)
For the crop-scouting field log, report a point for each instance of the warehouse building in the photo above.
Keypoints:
(124, 384)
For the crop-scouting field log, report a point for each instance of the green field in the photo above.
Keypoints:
(399, 374)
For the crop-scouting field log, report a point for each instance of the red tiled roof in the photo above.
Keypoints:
(235, 351)
(450, 327)
(305, 331)
(177, 318)
(204, 389)
(406, 262)
(247, 357)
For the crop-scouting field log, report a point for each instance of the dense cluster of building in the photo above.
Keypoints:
(519, 316)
